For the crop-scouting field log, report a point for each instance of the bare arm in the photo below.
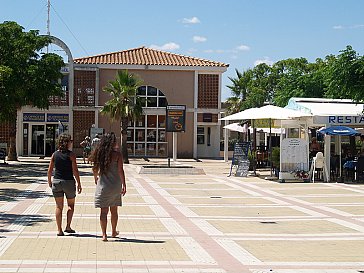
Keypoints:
(75, 172)
(96, 177)
(50, 170)
(122, 174)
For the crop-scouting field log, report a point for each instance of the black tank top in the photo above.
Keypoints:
(63, 165)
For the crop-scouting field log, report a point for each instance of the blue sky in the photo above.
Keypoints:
(241, 33)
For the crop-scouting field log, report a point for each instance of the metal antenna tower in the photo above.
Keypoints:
(48, 20)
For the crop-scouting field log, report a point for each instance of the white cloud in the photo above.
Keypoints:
(243, 48)
(338, 27)
(357, 26)
(214, 51)
(193, 20)
(265, 60)
(347, 27)
(199, 39)
(168, 46)
(191, 51)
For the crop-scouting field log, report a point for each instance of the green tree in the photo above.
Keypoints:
(250, 89)
(345, 75)
(124, 104)
(26, 77)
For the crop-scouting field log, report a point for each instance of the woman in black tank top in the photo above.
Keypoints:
(63, 183)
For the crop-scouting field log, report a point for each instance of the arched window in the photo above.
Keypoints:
(147, 136)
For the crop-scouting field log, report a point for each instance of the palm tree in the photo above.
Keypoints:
(124, 104)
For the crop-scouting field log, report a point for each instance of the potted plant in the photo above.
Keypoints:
(276, 159)
(252, 157)
(301, 174)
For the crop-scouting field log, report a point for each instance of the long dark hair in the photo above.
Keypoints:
(63, 141)
(102, 155)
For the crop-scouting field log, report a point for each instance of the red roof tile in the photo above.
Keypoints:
(147, 56)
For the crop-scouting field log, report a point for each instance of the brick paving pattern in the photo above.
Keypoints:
(197, 223)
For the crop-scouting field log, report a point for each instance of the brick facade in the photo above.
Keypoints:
(84, 88)
(5, 132)
(82, 122)
(208, 91)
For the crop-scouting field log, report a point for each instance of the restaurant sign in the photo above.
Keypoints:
(339, 120)
(175, 118)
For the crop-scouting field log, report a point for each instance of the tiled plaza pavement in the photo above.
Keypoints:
(200, 223)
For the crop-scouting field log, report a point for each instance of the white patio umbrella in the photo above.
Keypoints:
(236, 127)
(267, 112)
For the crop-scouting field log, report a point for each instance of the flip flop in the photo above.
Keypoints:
(60, 234)
(69, 231)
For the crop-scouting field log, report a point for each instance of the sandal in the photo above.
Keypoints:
(60, 234)
(70, 230)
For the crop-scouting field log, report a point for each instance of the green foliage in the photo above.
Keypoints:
(276, 156)
(339, 76)
(345, 75)
(124, 102)
(26, 78)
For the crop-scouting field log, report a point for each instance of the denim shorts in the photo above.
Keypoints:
(62, 187)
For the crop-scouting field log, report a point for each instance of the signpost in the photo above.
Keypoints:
(240, 159)
(175, 123)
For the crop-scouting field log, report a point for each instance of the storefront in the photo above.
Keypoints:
(326, 113)
(167, 79)
(40, 131)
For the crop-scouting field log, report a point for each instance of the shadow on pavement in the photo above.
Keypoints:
(28, 173)
(126, 240)
(23, 173)
(22, 219)
(10, 195)
(120, 240)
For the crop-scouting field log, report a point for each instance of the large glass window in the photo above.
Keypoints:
(147, 135)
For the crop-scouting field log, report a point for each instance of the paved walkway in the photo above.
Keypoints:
(202, 223)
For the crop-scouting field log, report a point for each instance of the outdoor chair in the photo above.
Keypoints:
(318, 165)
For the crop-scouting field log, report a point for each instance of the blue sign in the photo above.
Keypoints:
(57, 117)
(346, 120)
(34, 117)
(339, 120)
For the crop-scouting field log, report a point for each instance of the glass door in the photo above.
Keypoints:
(38, 137)
(50, 141)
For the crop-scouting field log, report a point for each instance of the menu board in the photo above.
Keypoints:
(294, 155)
(175, 118)
(240, 159)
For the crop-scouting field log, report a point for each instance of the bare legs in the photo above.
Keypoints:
(103, 222)
(59, 209)
(70, 211)
(114, 221)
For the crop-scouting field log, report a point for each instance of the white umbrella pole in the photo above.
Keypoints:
(340, 157)
(270, 147)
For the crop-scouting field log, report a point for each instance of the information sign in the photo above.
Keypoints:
(240, 159)
(294, 156)
(57, 117)
(34, 117)
(175, 118)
